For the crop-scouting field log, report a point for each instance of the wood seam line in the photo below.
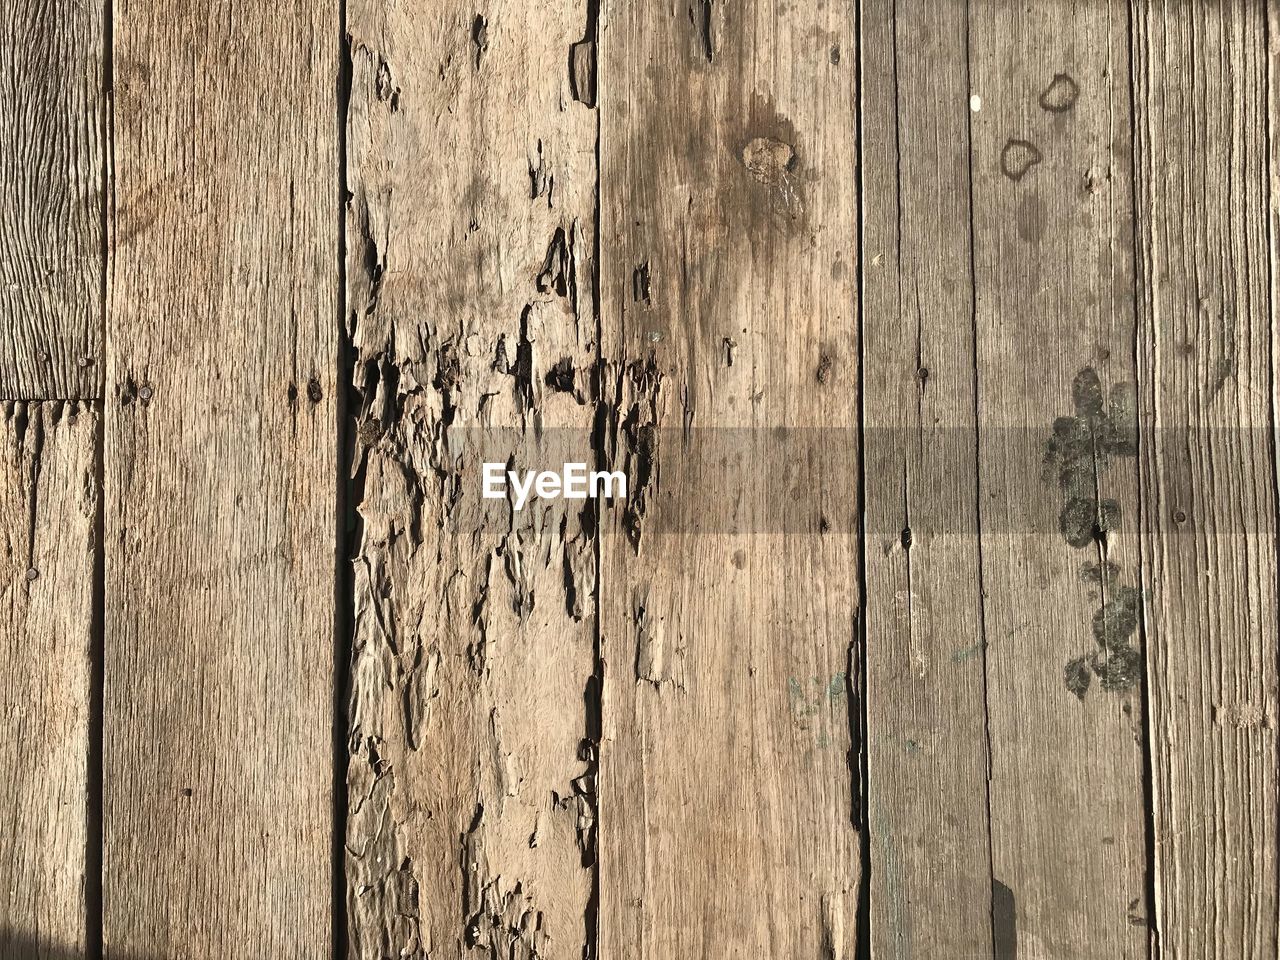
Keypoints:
(1148, 773)
(977, 472)
(347, 500)
(859, 721)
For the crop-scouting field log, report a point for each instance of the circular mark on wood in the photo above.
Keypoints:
(1061, 94)
(32, 573)
(768, 160)
(1018, 157)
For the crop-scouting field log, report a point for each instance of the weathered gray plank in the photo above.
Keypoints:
(925, 657)
(52, 110)
(1055, 304)
(729, 596)
(471, 308)
(48, 515)
(220, 479)
(1206, 362)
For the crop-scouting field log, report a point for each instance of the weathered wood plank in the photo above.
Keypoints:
(48, 513)
(471, 309)
(220, 474)
(729, 576)
(926, 712)
(1055, 321)
(1206, 356)
(52, 110)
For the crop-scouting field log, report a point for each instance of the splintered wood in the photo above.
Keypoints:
(933, 339)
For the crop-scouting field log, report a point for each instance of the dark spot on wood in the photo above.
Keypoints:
(835, 55)
(923, 374)
(187, 791)
(823, 373)
(561, 377)
(33, 573)
(1077, 677)
(582, 59)
(640, 283)
(291, 392)
(1004, 922)
(729, 345)
(314, 393)
(906, 538)
(1018, 157)
(1179, 516)
(1061, 94)
(479, 37)
(740, 559)
(1115, 623)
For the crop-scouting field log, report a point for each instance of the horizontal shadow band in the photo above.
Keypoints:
(1077, 481)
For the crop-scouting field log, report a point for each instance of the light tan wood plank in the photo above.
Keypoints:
(220, 482)
(1206, 355)
(729, 596)
(471, 307)
(926, 713)
(1052, 206)
(53, 110)
(48, 512)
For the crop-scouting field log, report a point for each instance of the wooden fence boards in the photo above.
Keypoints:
(935, 339)
(1206, 356)
(729, 577)
(471, 307)
(220, 474)
(930, 892)
(48, 511)
(52, 125)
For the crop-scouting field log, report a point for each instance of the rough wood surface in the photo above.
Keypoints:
(220, 478)
(1207, 389)
(1055, 304)
(927, 815)
(729, 577)
(52, 122)
(471, 308)
(48, 510)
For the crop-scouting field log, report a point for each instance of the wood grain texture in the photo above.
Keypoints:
(220, 473)
(925, 653)
(48, 511)
(52, 110)
(1055, 325)
(1207, 386)
(729, 577)
(472, 313)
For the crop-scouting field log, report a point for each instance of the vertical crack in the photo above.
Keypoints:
(348, 492)
(1144, 692)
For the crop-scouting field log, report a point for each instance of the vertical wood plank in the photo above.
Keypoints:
(1055, 318)
(1207, 385)
(221, 475)
(730, 573)
(471, 234)
(52, 109)
(926, 713)
(48, 512)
